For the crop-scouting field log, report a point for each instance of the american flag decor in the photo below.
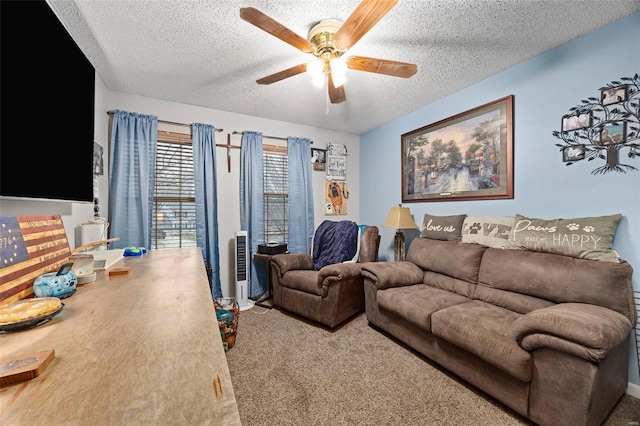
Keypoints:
(29, 246)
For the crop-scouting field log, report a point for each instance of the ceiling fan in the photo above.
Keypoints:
(328, 40)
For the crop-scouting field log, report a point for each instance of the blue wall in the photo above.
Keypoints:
(544, 90)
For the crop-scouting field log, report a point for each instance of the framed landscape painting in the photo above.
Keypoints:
(465, 157)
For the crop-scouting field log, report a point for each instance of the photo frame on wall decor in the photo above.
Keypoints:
(98, 159)
(576, 121)
(468, 156)
(319, 159)
(573, 153)
(613, 95)
(613, 133)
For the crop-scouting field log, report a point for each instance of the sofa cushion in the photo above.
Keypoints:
(369, 244)
(304, 280)
(485, 331)
(447, 228)
(517, 302)
(489, 231)
(461, 261)
(560, 279)
(584, 237)
(445, 282)
(416, 303)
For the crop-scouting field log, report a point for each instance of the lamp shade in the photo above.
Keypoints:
(400, 218)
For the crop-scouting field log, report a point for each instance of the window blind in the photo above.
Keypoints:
(174, 213)
(276, 198)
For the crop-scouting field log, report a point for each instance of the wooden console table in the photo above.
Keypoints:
(141, 348)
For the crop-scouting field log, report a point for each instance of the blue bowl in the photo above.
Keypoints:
(52, 285)
(224, 316)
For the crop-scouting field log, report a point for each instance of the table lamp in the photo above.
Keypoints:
(399, 218)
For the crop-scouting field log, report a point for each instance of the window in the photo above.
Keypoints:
(174, 203)
(276, 194)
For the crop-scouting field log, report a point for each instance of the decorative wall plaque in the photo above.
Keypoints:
(601, 128)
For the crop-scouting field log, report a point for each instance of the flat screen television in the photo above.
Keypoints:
(47, 91)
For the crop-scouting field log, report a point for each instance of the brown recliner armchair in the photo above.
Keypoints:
(329, 295)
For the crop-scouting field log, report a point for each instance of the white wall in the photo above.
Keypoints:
(228, 183)
(72, 214)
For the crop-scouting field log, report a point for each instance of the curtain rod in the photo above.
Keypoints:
(173, 122)
(265, 136)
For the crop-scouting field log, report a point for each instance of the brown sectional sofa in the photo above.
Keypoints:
(546, 334)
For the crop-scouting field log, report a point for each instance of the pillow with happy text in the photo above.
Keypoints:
(447, 228)
(584, 237)
(489, 231)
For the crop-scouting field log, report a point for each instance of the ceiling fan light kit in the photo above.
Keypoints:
(319, 71)
(328, 40)
(338, 71)
(315, 69)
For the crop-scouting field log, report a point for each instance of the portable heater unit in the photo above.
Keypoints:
(242, 271)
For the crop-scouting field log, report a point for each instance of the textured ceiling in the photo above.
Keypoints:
(201, 53)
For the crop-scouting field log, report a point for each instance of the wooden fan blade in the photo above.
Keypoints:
(264, 22)
(382, 66)
(289, 72)
(336, 94)
(363, 18)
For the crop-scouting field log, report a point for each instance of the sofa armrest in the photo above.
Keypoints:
(292, 261)
(583, 330)
(392, 274)
(339, 272)
(331, 274)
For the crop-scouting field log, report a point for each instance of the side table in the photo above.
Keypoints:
(268, 294)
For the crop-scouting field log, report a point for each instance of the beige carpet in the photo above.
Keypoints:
(288, 371)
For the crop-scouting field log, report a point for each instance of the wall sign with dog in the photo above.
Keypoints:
(336, 196)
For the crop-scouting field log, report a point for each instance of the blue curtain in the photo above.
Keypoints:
(204, 168)
(131, 175)
(252, 206)
(301, 224)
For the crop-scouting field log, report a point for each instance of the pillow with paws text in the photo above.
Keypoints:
(585, 237)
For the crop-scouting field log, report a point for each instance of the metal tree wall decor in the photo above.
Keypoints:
(601, 128)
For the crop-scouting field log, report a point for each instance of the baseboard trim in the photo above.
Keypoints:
(633, 390)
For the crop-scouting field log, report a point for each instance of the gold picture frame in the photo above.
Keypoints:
(468, 156)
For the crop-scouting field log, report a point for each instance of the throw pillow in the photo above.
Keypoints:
(585, 237)
(487, 230)
(447, 228)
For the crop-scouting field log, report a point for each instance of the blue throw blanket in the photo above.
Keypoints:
(334, 242)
